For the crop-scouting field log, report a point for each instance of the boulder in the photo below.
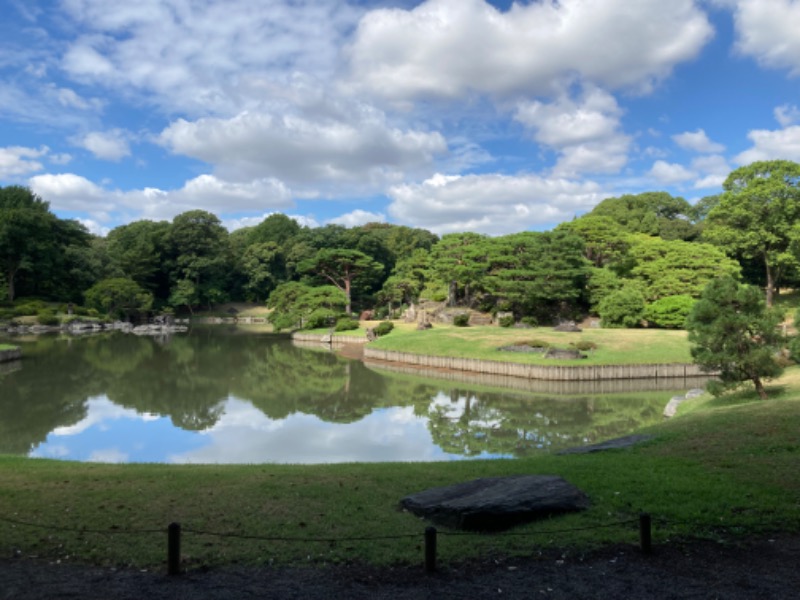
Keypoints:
(564, 354)
(568, 326)
(494, 503)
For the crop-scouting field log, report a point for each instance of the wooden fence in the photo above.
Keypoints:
(544, 372)
(329, 339)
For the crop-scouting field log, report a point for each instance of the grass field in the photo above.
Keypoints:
(722, 469)
(614, 346)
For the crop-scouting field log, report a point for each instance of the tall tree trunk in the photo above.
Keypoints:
(770, 282)
(348, 308)
(11, 273)
(762, 393)
(451, 293)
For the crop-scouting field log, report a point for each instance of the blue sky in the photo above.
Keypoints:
(451, 115)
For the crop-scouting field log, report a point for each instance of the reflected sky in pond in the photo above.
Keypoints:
(222, 396)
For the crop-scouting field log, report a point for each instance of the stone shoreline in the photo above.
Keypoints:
(10, 355)
(83, 327)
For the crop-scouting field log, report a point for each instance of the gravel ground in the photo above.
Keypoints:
(758, 569)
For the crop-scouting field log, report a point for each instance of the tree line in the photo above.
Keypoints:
(632, 259)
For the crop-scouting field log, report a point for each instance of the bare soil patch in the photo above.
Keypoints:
(763, 569)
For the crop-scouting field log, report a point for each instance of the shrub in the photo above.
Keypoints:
(346, 324)
(529, 321)
(506, 321)
(322, 317)
(623, 308)
(535, 344)
(383, 328)
(30, 307)
(47, 317)
(461, 320)
(669, 312)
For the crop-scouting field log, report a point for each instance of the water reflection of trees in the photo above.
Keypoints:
(188, 378)
(469, 422)
(31, 406)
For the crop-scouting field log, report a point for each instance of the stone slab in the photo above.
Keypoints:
(494, 503)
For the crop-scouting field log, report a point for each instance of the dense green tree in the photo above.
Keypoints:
(26, 232)
(138, 249)
(264, 267)
(537, 273)
(669, 312)
(198, 251)
(342, 268)
(653, 213)
(408, 279)
(622, 308)
(756, 218)
(119, 296)
(296, 305)
(675, 267)
(459, 261)
(735, 334)
(605, 242)
(276, 228)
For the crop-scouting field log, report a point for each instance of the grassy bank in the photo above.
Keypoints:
(6, 347)
(726, 468)
(614, 346)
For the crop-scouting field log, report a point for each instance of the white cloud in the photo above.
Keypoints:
(358, 217)
(586, 133)
(18, 160)
(95, 227)
(70, 192)
(772, 145)
(447, 48)
(364, 151)
(494, 204)
(767, 31)
(714, 169)
(787, 114)
(208, 56)
(670, 173)
(106, 145)
(234, 224)
(697, 141)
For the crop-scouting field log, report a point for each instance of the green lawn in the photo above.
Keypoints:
(614, 346)
(723, 468)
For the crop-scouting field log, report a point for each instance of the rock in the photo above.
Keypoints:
(694, 393)
(424, 326)
(621, 442)
(671, 409)
(569, 326)
(494, 503)
(564, 354)
(371, 337)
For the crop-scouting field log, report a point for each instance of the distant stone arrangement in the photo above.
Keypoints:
(81, 327)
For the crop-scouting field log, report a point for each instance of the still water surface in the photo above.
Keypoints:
(219, 395)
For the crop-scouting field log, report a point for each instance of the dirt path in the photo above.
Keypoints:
(762, 569)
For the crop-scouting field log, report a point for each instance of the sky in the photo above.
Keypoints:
(449, 115)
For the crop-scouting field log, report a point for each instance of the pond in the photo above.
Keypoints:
(227, 395)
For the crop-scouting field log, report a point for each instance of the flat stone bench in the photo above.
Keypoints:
(495, 503)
